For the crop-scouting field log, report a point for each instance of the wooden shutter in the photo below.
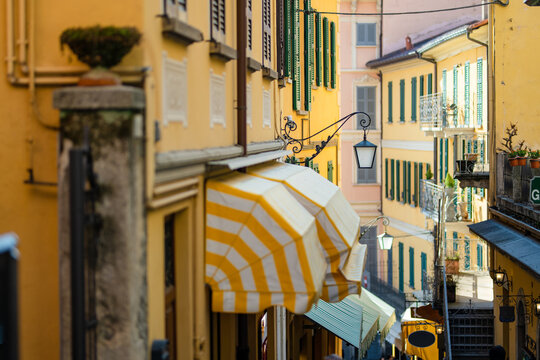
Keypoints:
(280, 35)
(400, 246)
(318, 49)
(267, 33)
(408, 182)
(296, 56)
(326, 52)
(411, 267)
(401, 100)
(249, 16)
(413, 99)
(416, 184)
(398, 181)
(441, 164)
(330, 171)
(445, 157)
(423, 260)
(430, 84)
(479, 92)
(444, 88)
(390, 102)
(287, 41)
(386, 178)
(392, 177)
(455, 241)
(218, 17)
(421, 85)
(455, 93)
(467, 92)
(308, 54)
(333, 76)
(467, 254)
(404, 197)
(390, 270)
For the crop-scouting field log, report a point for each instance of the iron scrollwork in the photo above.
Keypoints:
(298, 143)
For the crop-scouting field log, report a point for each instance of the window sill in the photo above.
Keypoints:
(253, 65)
(269, 73)
(365, 45)
(301, 112)
(180, 31)
(282, 82)
(222, 51)
(366, 184)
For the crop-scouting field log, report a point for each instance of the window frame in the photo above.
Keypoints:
(373, 125)
(366, 41)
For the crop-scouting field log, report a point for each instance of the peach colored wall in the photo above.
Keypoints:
(423, 26)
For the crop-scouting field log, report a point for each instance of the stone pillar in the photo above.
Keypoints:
(114, 118)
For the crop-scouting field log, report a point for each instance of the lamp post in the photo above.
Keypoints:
(385, 239)
(364, 150)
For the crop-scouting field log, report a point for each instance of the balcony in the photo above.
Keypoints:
(443, 119)
(472, 166)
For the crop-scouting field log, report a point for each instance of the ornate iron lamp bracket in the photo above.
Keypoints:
(298, 143)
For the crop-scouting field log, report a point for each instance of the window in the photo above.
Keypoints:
(411, 267)
(401, 100)
(386, 178)
(366, 34)
(308, 55)
(392, 176)
(430, 84)
(455, 242)
(467, 253)
(479, 256)
(423, 260)
(330, 172)
(295, 39)
(389, 101)
(287, 38)
(415, 185)
(390, 269)
(318, 50)
(365, 101)
(326, 52)
(367, 176)
(218, 19)
(175, 9)
(249, 16)
(480, 92)
(421, 85)
(408, 182)
(398, 180)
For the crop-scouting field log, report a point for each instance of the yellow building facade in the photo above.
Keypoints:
(186, 64)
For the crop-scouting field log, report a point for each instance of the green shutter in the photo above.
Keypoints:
(318, 49)
(421, 85)
(392, 177)
(455, 241)
(316, 168)
(420, 177)
(444, 86)
(413, 99)
(441, 164)
(467, 254)
(296, 56)
(401, 267)
(404, 197)
(333, 79)
(416, 184)
(287, 38)
(307, 56)
(389, 101)
(423, 260)
(408, 182)
(479, 256)
(445, 157)
(430, 84)
(386, 178)
(467, 92)
(411, 267)
(479, 92)
(469, 202)
(330, 171)
(326, 52)
(398, 181)
(455, 93)
(401, 100)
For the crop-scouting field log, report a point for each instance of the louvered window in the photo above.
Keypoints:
(411, 267)
(175, 8)
(455, 92)
(218, 19)
(467, 92)
(267, 33)
(308, 54)
(401, 100)
(367, 176)
(430, 84)
(400, 269)
(480, 92)
(287, 38)
(333, 55)
(366, 34)
(421, 85)
(318, 50)
(326, 52)
(423, 259)
(398, 180)
(413, 99)
(249, 16)
(280, 37)
(330, 172)
(365, 101)
(390, 102)
(386, 178)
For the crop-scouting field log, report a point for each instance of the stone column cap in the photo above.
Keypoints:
(99, 98)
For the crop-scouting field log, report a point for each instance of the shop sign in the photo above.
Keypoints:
(535, 190)
(421, 338)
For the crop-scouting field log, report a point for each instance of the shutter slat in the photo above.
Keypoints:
(392, 177)
(413, 99)
(401, 100)
(390, 102)
(318, 50)
(326, 52)
(386, 178)
(333, 79)
(430, 84)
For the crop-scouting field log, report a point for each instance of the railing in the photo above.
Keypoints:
(472, 154)
(430, 196)
(436, 114)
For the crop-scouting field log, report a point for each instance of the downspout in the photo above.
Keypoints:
(10, 34)
(435, 89)
(381, 35)
(241, 33)
(382, 127)
(23, 38)
(492, 126)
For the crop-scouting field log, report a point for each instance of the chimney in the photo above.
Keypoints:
(408, 43)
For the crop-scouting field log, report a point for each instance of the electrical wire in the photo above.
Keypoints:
(401, 13)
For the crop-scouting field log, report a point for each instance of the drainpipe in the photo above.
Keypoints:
(10, 55)
(381, 32)
(23, 38)
(382, 127)
(435, 89)
(492, 127)
(241, 40)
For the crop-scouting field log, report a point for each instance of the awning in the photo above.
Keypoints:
(338, 225)
(355, 319)
(262, 247)
(522, 249)
(410, 324)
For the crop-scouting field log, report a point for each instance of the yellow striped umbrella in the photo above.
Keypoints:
(261, 247)
(338, 225)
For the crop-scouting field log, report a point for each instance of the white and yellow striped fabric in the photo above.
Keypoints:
(338, 225)
(261, 247)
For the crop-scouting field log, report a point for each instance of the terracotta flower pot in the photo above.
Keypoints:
(522, 161)
(535, 163)
(513, 161)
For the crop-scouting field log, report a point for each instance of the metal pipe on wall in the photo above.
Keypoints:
(10, 51)
(23, 39)
(241, 63)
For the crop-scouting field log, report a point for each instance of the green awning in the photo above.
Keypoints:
(354, 314)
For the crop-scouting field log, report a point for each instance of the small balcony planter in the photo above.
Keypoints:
(100, 48)
(534, 159)
(465, 166)
(513, 159)
(452, 265)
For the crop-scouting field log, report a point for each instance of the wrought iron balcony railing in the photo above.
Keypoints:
(432, 112)
(430, 196)
(437, 114)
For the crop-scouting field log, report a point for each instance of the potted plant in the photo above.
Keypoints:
(512, 158)
(534, 158)
(522, 157)
(452, 264)
(429, 174)
(449, 187)
(451, 288)
(101, 48)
